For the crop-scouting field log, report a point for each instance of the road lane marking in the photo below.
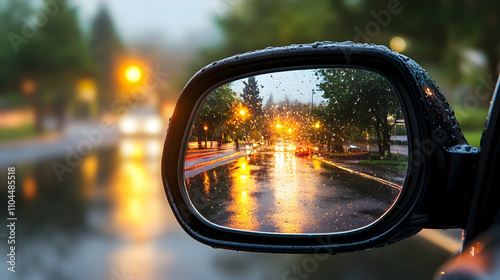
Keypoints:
(362, 174)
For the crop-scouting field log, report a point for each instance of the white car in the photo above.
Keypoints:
(142, 120)
(279, 147)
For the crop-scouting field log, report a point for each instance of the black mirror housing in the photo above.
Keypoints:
(435, 189)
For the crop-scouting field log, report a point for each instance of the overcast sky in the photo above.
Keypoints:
(172, 22)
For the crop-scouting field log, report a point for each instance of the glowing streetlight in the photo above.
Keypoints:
(398, 44)
(316, 125)
(205, 128)
(133, 74)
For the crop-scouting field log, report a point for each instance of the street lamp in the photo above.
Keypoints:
(312, 100)
(133, 74)
(205, 127)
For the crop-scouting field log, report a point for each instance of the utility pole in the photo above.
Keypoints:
(312, 100)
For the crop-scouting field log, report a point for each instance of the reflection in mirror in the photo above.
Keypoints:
(306, 151)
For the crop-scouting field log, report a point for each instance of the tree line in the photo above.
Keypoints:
(357, 106)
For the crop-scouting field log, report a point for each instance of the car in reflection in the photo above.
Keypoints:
(141, 121)
(302, 150)
(353, 148)
(248, 147)
(279, 147)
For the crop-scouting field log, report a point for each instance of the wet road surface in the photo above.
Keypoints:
(279, 192)
(109, 219)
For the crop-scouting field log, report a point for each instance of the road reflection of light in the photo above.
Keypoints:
(138, 149)
(316, 164)
(136, 194)
(90, 166)
(138, 262)
(242, 205)
(29, 188)
(130, 149)
(286, 203)
(206, 182)
(153, 148)
(139, 212)
(216, 181)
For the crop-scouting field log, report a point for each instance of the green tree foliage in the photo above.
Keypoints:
(105, 47)
(437, 33)
(47, 47)
(476, 24)
(15, 64)
(253, 103)
(359, 102)
(215, 114)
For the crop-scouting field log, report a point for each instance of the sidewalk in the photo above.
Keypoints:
(395, 178)
(54, 144)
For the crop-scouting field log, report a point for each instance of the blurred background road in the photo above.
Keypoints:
(86, 91)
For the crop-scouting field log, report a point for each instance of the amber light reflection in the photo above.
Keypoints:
(90, 166)
(243, 205)
(139, 207)
(29, 188)
(206, 182)
(287, 217)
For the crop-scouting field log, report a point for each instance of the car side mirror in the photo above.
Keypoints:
(327, 147)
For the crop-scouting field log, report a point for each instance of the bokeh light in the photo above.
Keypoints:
(398, 44)
(133, 74)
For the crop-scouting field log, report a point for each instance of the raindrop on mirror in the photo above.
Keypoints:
(303, 151)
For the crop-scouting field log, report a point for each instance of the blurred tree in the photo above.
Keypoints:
(105, 47)
(15, 62)
(435, 33)
(359, 101)
(212, 121)
(252, 102)
(327, 128)
(46, 46)
(61, 56)
(257, 24)
(476, 24)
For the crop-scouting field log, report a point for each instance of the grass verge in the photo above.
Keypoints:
(25, 131)
(395, 161)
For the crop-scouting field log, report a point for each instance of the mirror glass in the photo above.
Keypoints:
(304, 151)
